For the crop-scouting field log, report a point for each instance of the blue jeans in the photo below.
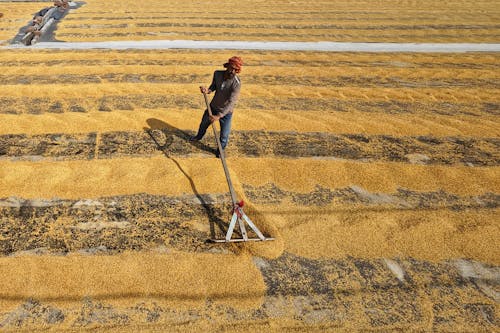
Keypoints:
(225, 127)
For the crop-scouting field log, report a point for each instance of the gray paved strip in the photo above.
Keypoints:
(287, 46)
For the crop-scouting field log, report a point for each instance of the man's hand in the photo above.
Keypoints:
(205, 90)
(214, 118)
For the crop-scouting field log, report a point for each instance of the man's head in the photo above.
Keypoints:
(61, 9)
(233, 65)
(38, 19)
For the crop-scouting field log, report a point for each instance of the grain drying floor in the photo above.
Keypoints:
(303, 20)
(378, 174)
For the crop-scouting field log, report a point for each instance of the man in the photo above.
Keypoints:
(35, 26)
(42, 12)
(33, 31)
(226, 85)
(59, 13)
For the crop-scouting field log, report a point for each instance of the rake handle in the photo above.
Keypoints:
(222, 156)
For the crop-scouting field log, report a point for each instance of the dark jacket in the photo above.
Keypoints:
(226, 93)
(42, 12)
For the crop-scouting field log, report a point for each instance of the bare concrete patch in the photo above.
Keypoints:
(32, 312)
(477, 270)
(12, 202)
(94, 250)
(94, 312)
(101, 225)
(87, 203)
(396, 269)
(39, 251)
(418, 158)
(375, 198)
(486, 278)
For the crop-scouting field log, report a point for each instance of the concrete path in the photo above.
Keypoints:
(286, 46)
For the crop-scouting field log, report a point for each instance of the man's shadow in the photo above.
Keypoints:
(164, 135)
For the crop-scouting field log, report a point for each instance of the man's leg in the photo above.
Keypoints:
(225, 129)
(205, 122)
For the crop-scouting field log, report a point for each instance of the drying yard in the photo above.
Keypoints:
(376, 173)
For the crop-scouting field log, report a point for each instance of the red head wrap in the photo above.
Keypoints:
(235, 62)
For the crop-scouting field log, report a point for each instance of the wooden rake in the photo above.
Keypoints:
(238, 213)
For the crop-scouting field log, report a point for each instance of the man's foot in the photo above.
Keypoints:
(194, 138)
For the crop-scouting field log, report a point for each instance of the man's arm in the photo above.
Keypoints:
(212, 87)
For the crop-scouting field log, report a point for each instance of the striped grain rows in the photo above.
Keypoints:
(358, 21)
(145, 105)
(376, 173)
